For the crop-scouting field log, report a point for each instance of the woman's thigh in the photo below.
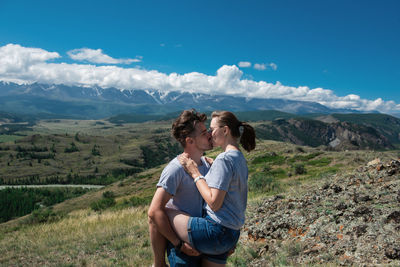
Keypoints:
(211, 238)
(179, 222)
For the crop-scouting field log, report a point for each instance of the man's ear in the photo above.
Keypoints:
(189, 140)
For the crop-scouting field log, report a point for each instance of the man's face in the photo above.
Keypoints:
(201, 137)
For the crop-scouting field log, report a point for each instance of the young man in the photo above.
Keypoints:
(177, 190)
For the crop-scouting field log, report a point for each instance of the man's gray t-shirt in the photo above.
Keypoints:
(181, 186)
(229, 172)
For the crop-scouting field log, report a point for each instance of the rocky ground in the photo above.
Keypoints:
(352, 219)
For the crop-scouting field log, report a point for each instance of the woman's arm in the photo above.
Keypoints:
(212, 196)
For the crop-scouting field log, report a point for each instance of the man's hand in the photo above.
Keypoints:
(188, 250)
(232, 251)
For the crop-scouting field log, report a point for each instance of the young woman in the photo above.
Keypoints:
(224, 190)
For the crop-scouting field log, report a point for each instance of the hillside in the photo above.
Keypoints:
(101, 152)
(351, 219)
(335, 134)
(336, 131)
(73, 233)
(83, 152)
(387, 125)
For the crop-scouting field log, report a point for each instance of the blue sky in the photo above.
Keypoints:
(348, 51)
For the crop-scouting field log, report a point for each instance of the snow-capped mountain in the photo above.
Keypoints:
(97, 102)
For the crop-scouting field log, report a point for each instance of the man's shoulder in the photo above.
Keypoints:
(173, 167)
(171, 175)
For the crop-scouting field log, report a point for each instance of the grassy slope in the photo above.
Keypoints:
(80, 236)
(118, 146)
(118, 236)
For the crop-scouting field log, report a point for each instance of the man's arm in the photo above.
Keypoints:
(158, 216)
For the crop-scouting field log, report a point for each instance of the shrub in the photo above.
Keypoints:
(266, 168)
(43, 215)
(104, 203)
(137, 201)
(95, 150)
(108, 194)
(71, 149)
(299, 169)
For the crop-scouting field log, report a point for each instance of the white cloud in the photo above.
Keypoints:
(258, 66)
(16, 59)
(264, 66)
(26, 65)
(97, 56)
(244, 64)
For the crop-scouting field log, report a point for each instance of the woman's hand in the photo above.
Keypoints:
(209, 160)
(213, 196)
(189, 165)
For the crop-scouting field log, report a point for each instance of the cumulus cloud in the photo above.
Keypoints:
(97, 56)
(16, 59)
(26, 65)
(244, 64)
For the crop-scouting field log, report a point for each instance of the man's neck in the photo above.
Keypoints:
(194, 154)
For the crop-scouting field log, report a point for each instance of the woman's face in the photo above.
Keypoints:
(217, 133)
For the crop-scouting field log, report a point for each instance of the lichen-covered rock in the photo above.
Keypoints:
(351, 219)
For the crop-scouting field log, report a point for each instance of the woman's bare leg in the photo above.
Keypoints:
(179, 222)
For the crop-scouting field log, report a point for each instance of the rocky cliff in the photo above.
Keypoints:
(335, 135)
(349, 220)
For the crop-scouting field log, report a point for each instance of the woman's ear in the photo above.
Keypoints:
(226, 130)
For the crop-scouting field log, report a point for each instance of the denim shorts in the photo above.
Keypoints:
(177, 258)
(212, 239)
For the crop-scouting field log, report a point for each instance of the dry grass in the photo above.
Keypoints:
(83, 238)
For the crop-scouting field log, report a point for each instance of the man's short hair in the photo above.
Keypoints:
(185, 125)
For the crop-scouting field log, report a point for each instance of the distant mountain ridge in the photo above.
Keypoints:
(337, 131)
(96, 102)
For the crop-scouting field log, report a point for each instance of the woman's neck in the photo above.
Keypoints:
(230, 144)
(231, 147)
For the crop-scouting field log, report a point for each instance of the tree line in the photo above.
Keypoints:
(17, 202)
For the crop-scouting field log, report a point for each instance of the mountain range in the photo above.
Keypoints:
(96, 102)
